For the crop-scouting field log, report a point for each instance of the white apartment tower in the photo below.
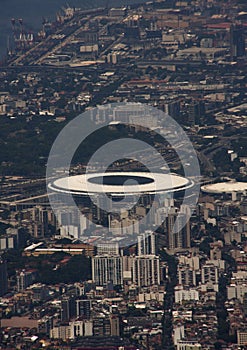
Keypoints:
(106, 268)
(146, 244)
(146, 270)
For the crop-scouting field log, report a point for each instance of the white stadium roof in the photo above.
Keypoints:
(225, 187)
(130, 183)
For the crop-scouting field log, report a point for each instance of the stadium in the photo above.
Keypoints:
(221, 188)
(119, 184)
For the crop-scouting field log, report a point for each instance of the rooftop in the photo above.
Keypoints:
(120, 184)
(225, 187)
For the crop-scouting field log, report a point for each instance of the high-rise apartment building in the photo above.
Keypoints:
(186, 275)
(107, 268)
(83, 308)
(237, 41)
(68, 308)
(210, 274)
(178, 231)
(146, 244)
(196, 111)
(25, 278)
(146, 270)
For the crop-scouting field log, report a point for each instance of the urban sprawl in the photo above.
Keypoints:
(67, 284)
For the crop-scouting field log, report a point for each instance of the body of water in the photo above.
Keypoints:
(33, 11)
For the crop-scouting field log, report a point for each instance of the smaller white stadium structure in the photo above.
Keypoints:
(225, 187)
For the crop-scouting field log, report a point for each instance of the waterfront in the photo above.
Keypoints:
(33, 11)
